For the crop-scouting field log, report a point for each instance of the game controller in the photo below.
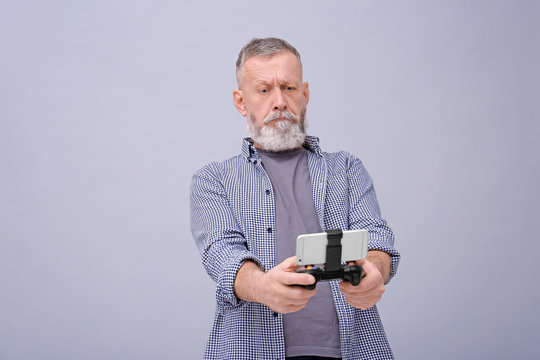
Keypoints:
(350, 272)
(333, 267)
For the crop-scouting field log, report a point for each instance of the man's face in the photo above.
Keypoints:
(272, 94)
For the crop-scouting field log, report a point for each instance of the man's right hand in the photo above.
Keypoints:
(273, 288)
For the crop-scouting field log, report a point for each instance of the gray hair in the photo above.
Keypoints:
(264, 47)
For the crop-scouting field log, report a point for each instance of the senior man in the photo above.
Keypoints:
(247, 211)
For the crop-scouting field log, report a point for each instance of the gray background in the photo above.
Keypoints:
(108, 107)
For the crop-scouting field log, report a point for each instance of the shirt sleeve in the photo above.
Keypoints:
(365, 212)
(218, 236)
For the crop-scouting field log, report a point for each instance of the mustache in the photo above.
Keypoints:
(280, 114)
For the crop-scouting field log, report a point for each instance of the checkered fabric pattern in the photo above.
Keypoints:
(233, 219)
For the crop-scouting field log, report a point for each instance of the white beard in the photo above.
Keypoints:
(284, 135)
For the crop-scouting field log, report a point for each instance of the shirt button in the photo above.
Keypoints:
(269, 229)
(275, 314)
(267, 192)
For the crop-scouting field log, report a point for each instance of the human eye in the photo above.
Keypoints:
(289, 88)
(263, 90)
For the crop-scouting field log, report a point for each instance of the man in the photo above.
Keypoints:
(248, 210)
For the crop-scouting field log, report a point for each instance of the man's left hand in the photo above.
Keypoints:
(371, 287)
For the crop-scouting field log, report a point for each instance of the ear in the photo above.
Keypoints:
(239, 103)
(305, 92)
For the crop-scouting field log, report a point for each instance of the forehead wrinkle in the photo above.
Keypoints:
(272, 80)
(262, 71)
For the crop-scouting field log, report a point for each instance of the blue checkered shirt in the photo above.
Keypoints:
(233, 219)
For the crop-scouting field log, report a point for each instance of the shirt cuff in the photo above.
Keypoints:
(225, 296)
(394, 256)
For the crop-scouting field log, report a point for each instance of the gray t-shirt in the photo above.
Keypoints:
(314, 330)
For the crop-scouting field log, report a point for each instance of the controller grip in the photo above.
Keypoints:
(353, 274)
(316, 273)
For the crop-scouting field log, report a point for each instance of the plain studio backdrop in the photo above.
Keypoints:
(108, 107)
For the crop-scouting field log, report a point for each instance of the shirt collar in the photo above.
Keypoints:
(250, 152)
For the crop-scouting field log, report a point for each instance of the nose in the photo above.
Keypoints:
(280, 102)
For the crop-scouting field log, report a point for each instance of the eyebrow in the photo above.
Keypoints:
(262, 82)
(271, 83)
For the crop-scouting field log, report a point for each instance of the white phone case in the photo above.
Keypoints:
(311, 248)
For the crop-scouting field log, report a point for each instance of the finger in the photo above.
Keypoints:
(299, 297)
(348, 289)
(367, 284)
(293, 278)
(290, 308)
(370, 296)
